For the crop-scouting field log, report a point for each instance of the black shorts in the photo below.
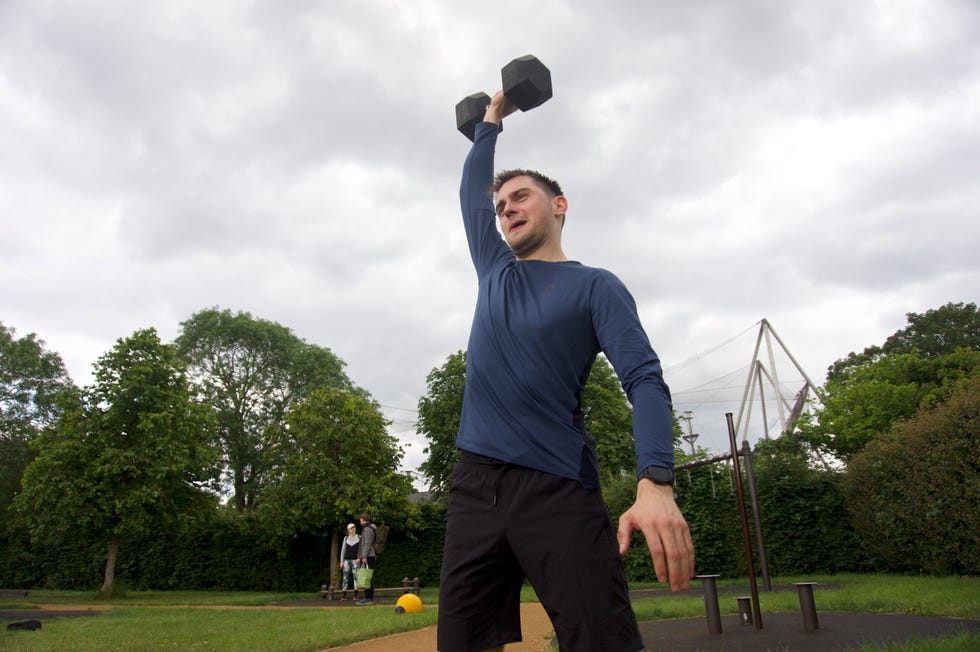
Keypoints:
(506, 523)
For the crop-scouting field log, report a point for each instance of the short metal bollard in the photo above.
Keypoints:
(744, 610)
(711, 602)
(807, 607)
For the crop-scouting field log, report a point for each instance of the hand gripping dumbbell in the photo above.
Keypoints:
(526, 83)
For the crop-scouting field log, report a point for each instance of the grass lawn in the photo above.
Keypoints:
(149, 621)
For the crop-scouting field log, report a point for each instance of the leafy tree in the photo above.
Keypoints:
(866, 400)
(250, 371)
(609, 420)
(31, 379)
(128, 455)
(914, 493)
(338, 461)
(438, 420)
(936, 333)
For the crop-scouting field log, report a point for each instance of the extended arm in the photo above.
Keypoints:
(655, 513)
(485, 244)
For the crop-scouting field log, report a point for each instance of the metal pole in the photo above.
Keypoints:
(807, 607)
(746, 540)
(762, 404)
(711, 603)
(702, 462)
(793, 360)
(748, 381)
(760, 541)
(775, 378)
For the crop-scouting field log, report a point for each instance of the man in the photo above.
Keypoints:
(524, 497)
(367, 557)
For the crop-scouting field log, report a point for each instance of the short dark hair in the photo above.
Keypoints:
(547, 183)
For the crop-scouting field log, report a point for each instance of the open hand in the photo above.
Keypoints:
(668, 537)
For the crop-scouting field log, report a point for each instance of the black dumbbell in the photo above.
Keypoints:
(526, 83)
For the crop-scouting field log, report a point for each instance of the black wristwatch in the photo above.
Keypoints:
(658, 475)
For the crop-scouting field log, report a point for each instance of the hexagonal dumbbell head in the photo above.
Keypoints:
(470, 112)
(527, 82)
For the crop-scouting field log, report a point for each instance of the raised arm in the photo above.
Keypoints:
(479, 219)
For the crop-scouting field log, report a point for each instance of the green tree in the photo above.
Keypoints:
(438, 420)
(338, 461)
(865, 400)
(609, 420)
(250, 371)
(933, 334)
(31, 378)
(914, 493)
(130, 454)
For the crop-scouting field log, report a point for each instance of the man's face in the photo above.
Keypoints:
(527, 215)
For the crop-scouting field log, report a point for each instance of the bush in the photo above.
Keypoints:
(914, 493)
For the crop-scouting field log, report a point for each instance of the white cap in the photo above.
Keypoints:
(351, 525)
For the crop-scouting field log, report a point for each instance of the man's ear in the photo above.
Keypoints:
(560, 204)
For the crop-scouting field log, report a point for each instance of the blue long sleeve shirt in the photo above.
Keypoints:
(537, 329)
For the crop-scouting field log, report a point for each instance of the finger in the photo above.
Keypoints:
(681, 560)
(678, 555)
(657, 552)
(690, 547)
(623, 534)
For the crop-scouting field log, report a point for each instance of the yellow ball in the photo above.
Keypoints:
(410, 602)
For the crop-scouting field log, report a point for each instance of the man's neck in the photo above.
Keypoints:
(546, 253)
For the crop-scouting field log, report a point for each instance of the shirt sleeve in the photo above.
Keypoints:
(626, 345)
(479, 217)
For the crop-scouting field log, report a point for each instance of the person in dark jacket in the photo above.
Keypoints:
(367, 556)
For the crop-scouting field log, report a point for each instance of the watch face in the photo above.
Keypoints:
(659, 475)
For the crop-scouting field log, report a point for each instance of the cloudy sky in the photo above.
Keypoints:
(815, 164)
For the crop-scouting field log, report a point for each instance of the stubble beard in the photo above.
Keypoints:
(530, 243)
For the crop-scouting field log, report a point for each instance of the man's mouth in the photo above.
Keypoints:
(517, 224)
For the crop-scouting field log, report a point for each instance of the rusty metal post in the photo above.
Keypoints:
(807, 606)
(746, 539)
(759, 540)
(711, 603)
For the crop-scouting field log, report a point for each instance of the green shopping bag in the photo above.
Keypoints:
(364, 577)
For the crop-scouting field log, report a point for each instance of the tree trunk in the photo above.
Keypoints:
(332, 578)
(239, 489)
(109, 582)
